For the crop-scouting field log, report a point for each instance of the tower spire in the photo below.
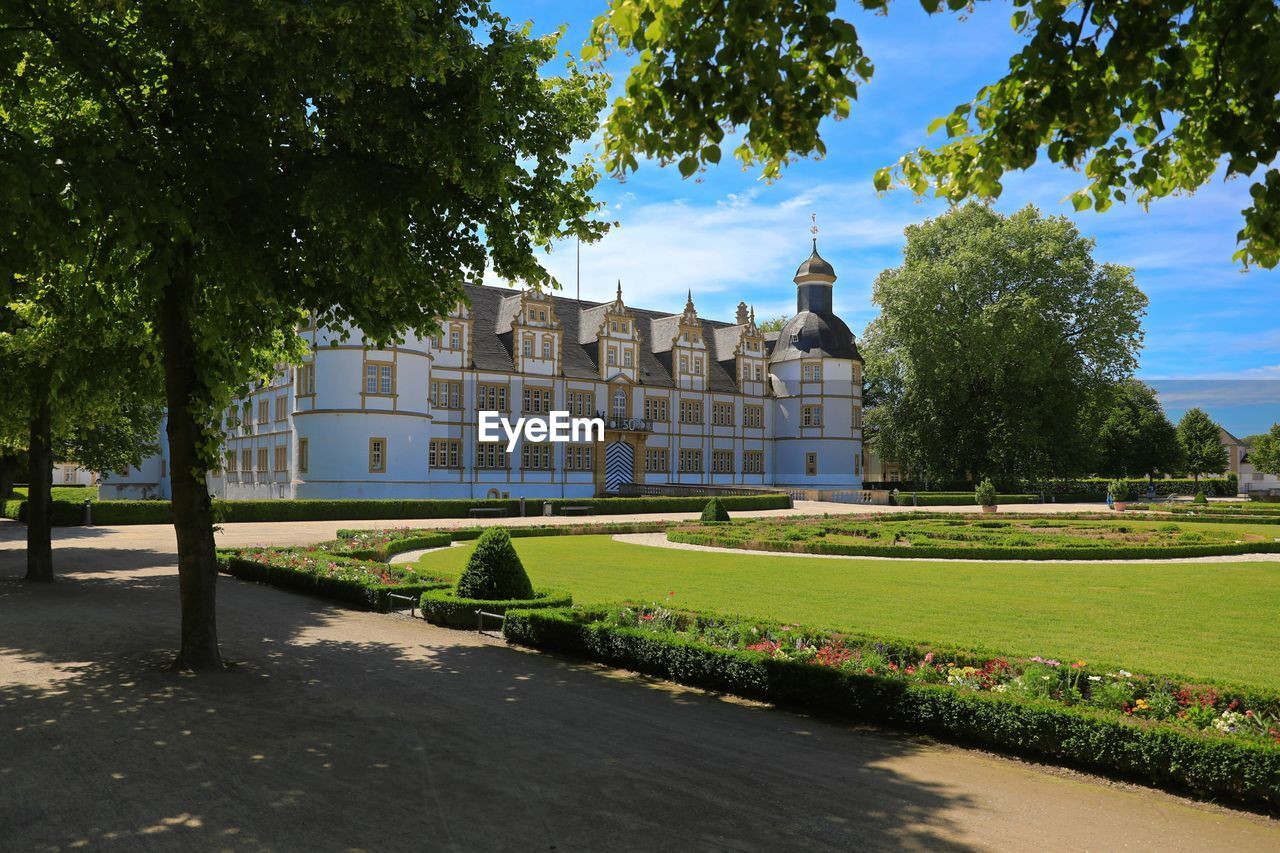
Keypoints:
(813, 229)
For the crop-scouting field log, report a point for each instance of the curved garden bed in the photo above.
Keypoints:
(962, 536)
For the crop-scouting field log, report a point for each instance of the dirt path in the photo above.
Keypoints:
(340, 729)
(660, 540)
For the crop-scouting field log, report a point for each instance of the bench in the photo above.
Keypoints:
(583, 510)
(492, 511)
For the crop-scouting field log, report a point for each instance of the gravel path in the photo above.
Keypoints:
(659, 540)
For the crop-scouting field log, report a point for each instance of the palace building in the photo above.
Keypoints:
(685, 400)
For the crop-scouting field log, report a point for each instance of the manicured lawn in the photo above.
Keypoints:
(1210, 620)
(63, 493)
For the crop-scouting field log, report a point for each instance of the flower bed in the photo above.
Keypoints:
(1079, 537)
(1213, 739)
(444, 607)
(463, 534)
(382, 545)
(356, 582)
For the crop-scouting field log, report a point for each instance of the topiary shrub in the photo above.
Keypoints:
(715, 511)
(494, 571)
(1121, 490)
(985, 493)
(1200, 498)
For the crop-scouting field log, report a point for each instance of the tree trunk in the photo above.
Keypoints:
(192, 509)
(9, 467)
(39, 474)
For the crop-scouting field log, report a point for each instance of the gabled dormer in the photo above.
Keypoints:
(537, 338)
(618, 341)
(751, 359)
(454, 345)
(689, 353)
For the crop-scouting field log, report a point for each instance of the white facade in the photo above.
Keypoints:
(685, 400)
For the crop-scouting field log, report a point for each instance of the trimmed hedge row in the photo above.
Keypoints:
(906, 499)
(419, 541)
(349, 592)
(111, 512)
(444, 607)
(1098, 740)
(982, 553)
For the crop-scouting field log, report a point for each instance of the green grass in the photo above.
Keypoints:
(1208, 620)
(62, 493)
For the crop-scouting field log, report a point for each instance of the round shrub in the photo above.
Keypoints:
(494, 571)
(985, 493)
(715, 511)
(1121, 490)
(1200, 498)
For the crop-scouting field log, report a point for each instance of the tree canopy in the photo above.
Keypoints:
(1264, 451)
(1135, 437)
(1201, 440)
(997, 340)
(1148, 98)
(360, 162)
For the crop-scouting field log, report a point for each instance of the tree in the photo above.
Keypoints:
(996, 338)
(1136, 438)
(360, 162)
(1201, 442)
(1148, 97)
(79, 381)
(773, 324)
(1264, 451)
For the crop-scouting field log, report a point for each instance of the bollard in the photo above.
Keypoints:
(522, 507)
(546, 509)
(88, 513)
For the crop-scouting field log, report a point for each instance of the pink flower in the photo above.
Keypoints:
(928, 658)
(648, 617)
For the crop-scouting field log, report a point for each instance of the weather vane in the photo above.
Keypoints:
(813, 229)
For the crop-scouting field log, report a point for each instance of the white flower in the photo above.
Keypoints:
(1125, 674)
(1095, 678)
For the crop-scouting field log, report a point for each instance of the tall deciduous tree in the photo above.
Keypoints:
(1136, 438)
(1264, 451)
(1149, 97)
(997, 338)
(1201, 440)
(360, 161)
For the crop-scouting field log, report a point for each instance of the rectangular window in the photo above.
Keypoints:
(655, 460)
(626, 356)
(526, 349)
(491, 455)
(582, 404)
(690, 411)
(697, 366)
(379, 378)
(264, 411)
(444, 453)
(304, 454)
(246, 460)
(306, 380)
(613, 355)
(546, 348)
(446, 394)
(282, 458)
(722, 461)
(577, 457)
(753, 462)
(263, 459)
(656, 409)
(811, 373)
(857, 417)
(690, 461)
(535, 456)
(811, 416)
(811, 464)
(491, 398)
(377, 456)
(282, 407)
(231, 462)
(455, 339)
(684, 364)
(537, 401)
(722, 414)
(753, 416)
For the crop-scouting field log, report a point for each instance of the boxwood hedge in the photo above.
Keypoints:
(1102, 741)
(444, 606)
(360, 594)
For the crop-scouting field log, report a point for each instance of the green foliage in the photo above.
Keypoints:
(985, 493)
(1264, 451)
(1200, 498)
(1120, 490)
(1135, 438)
(715, 511)
(447, 608)
(358, 583)
(494, 571)
(1201, 441)
(1100, 739)
(997, 338)
(909, 499)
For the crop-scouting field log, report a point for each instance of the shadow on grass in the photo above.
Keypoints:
(339, 729)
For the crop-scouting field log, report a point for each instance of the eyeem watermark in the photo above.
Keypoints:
(557, 426)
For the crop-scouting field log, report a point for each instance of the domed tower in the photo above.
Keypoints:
(816, 374)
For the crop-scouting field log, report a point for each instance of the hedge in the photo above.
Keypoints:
(944, 552)
(353, 593)
(444, 607)
(906, 499)
(418, 541)
(1090, 738)
(111, 512)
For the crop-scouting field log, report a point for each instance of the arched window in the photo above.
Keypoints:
(619, 404)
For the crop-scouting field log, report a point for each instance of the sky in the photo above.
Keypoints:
(727, 235)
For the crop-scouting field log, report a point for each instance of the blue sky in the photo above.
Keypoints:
(729, 236)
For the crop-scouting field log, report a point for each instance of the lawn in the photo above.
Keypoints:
(1209, 620)
(62, 493)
